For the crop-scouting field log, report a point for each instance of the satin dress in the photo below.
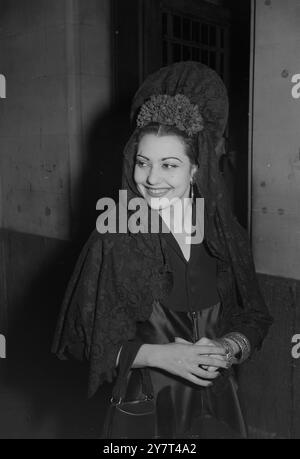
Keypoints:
(184, 409)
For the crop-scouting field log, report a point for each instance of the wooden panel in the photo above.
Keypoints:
(276, 170)
(269, 382)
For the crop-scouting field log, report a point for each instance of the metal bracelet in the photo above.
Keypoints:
(228, 349)
(243, 344)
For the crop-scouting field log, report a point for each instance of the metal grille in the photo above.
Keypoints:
(187, 38)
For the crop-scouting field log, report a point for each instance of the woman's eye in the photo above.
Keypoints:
(169, 166)
(140, 163)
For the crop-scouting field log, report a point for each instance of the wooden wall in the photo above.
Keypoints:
(276, 139)
(56, 57)
(270, 382)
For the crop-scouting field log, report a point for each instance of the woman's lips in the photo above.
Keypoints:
(157, 192)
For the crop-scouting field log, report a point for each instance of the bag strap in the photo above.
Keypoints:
(127, 356)
(147, 386)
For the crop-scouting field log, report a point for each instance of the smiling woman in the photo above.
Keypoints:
(164, 165)
(164, 174)
(165, 317)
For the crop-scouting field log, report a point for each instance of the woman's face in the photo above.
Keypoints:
(162, 170)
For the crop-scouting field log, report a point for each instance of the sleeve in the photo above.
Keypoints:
(253, 322)
(243, 307)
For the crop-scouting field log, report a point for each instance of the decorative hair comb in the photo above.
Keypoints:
(172, 111)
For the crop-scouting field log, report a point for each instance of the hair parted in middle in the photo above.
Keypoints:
(163, 130)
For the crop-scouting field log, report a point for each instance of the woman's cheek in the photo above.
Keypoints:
(137, 175)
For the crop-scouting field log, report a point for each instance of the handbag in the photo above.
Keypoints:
(130, 416)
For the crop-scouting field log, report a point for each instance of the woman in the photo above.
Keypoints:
(186, 308)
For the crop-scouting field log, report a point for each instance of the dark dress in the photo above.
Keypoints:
(184, 409)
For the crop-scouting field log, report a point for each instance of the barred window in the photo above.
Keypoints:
(185, 38)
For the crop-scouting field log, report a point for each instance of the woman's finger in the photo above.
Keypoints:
(219, 357)
(209, 349)
(198, 381)
(211, 369)
(212, 362)
(201, 373)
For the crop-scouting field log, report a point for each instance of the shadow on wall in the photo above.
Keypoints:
(102, 175)
(41, 396)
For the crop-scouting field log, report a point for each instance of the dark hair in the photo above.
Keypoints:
(164, 130)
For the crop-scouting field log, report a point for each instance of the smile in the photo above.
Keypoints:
(157, 192)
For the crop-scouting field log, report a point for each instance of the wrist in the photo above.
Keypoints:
(154, 355)
(146, 356)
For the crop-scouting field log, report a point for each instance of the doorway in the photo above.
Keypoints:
(150, 34)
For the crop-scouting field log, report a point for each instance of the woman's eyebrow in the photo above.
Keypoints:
(171, 157)
(162, 159)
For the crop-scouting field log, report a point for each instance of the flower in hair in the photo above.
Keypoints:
(172, 111)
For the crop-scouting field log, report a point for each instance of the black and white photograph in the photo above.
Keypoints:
(149, 222)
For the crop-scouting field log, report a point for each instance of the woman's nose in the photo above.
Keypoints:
(153, 176)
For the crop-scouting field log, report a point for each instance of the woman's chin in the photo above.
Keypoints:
(161, 203)
(154, 204)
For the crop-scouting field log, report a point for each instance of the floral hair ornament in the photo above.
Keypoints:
(172, 111)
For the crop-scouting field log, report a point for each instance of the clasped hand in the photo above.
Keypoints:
(197, 362)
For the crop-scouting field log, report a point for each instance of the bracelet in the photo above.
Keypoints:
(228, 349)
(243, 344)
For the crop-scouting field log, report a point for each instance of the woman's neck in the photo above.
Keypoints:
(178, 216)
